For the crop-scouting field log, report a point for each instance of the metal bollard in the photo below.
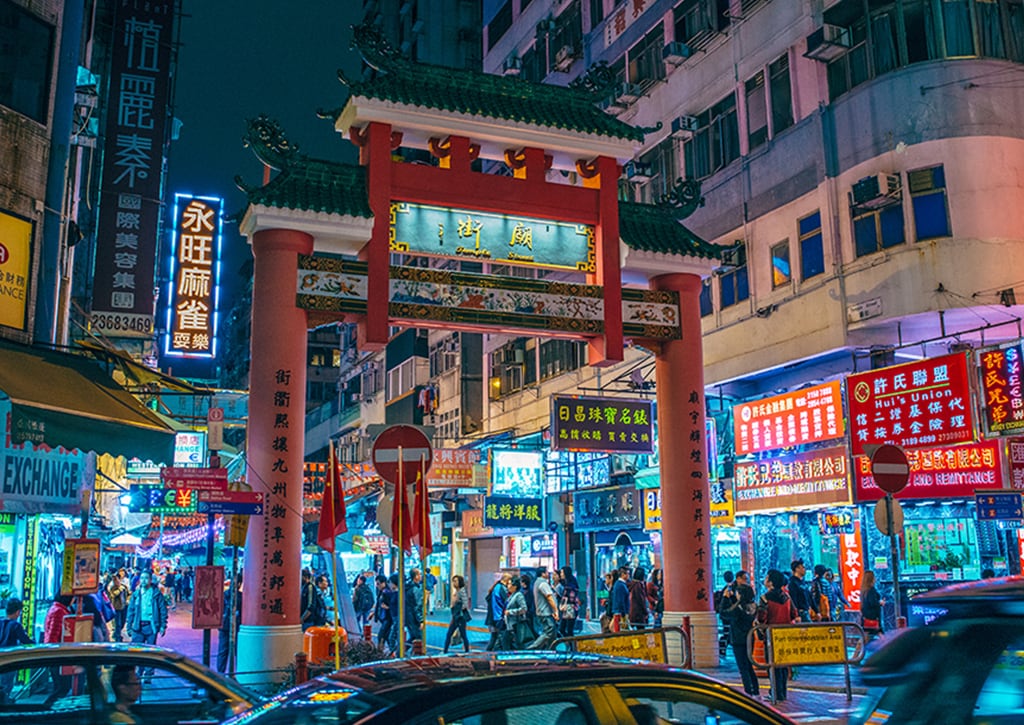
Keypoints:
(368, 632)
(301, 668)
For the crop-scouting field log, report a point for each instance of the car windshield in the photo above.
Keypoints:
(321, 702)
(955, 671)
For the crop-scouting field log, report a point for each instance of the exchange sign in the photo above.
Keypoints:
(160, 500)
(1001, 386)
(814, 478)
(615, 425)
(803, 416)
(939, 472)
(921, 404)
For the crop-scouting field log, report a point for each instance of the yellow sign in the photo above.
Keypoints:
(236, 526)
(15, 258)
(652, 508)
(648, 646)
(811, 645)
(723, 510)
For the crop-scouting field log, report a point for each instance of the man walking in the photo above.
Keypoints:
(620, 601)
(147, 614)
(547, 611)
(798, 592)
(739, 609)
(118, 592)
(414, 605)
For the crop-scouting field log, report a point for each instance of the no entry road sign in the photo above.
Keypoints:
(416, 453)
(890, 468)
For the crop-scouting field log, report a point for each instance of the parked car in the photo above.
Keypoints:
(964, 665)
(70, 683)
(496, 688)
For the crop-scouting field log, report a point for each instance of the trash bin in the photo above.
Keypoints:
(318, 644)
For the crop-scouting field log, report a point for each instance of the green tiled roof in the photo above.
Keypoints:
(492, 96)
(315, 185)
(649, 228)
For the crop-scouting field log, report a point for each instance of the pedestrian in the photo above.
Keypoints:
(179, 586)
(837, 602)
(776, 607)
(226, 634)
(12, 634)
(118, 593)
(459, 602)
(526, 582)
(311, 608)
(381, 583)
(569, 603)
(101, 611)
(718, 598)
(656, 596)
(387, 638)
(362, 601)
(819, 594)
(638, 612)
(147, 614)
(53, 627)
(429, 582)
(606, 603)
(739, 608)
(620, 601)
(546, 607)
(127, 688)
(871, 604)
(516, 633)
(170, 583)
(323, 589)
(497, 598)
(798, 591)
(414, 605)
(189, 583)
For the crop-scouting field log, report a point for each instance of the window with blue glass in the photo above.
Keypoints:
(781, 271)
(878, 229)
(928, 202)
(706, 306)
(812, 248)
(734, 285)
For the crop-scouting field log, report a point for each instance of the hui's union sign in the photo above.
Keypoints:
(487, 237)
(615, 425)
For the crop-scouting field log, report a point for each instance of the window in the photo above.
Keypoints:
(26, 61)
(444, 355)
(734, 286)
(716, 143)
(596, 12)
(757, 111)
(850, 69)
(780, 264)
(679, 705)
(812, 252)
(782, 95)
(928, 202)
(706, 305)
(560, 356)
(569, 30)
(645, 63)
(400, 379)
(695, 22)
(560, 711)
(661, 160)
(879, 229)
(499, 24)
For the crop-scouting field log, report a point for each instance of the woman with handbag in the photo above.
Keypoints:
(459, 602)
(870, 605)
(568, 603)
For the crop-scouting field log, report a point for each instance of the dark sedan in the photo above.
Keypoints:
(71, 683)
(512, 689)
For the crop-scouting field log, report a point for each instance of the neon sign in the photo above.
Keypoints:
(194, 291)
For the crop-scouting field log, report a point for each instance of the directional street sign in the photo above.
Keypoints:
(999, 505)
(197, 479)
(890, 468)
(230, 502)
(416, 453)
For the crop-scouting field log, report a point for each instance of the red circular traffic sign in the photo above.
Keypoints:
(890, 468)
(416, 453)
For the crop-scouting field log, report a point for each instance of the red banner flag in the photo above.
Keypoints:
(407, 525)
(423, 515)
(332, 508)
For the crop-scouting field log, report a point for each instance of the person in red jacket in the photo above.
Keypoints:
(776, 607)
(53, 627)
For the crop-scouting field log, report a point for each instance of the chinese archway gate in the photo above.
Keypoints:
(311, 209)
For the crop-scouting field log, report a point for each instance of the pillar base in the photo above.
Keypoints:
(703, 638)
(264, 651)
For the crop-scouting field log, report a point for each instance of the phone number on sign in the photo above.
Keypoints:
(127, 324)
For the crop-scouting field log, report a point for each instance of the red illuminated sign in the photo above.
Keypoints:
(1001, 388)
(851, 565)
(814, 478)
(456, 468)
(915, 405)
(791, 419)
(939, 473)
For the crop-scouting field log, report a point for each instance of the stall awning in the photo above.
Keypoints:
(59, 399)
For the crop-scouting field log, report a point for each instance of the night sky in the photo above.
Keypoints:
(238, 59)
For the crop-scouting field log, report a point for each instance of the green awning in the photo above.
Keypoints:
(59, 399)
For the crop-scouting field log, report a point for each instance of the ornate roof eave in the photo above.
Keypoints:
(419, 124)
(640, 266)
(332, 233)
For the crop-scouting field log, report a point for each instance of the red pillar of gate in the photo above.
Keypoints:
(271, 631)
(682, 453)
(376, 157)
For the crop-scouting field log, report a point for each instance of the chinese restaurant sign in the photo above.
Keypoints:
(1001, 388)
(814, 478)
(791, 419)
(130, 207)
(483, 236)
(615, 425)
(195, 269)
(456, 468)
(608, 508)
(507, 512)
(916, 405)
(940, 472)
(15, 259)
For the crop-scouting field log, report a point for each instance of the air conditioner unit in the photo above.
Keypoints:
(512, 66)
(564, 58)
(356, 397)
(732, 258)
(828, 43)
(684, 126)
(627, 93)
(876, 191)
(675, 53)
(637, 172)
